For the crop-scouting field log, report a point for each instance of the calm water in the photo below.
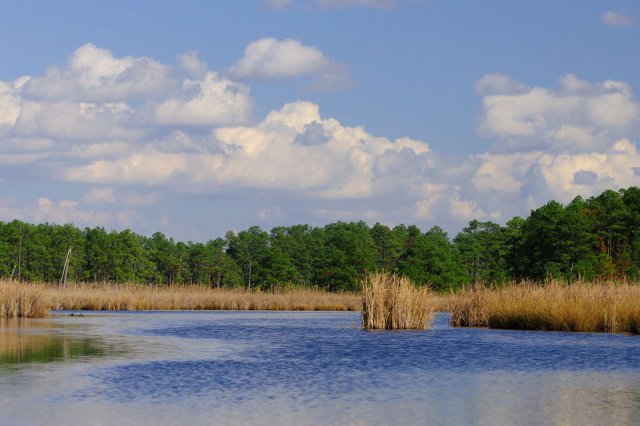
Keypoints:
(307, 368)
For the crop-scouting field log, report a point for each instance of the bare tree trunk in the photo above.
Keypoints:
(20, 254)
(65, 269)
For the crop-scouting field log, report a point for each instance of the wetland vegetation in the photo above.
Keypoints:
(587, 239)
(565, 267)
(391, 302)
(35, 300)
(606, 306)
(23, 300)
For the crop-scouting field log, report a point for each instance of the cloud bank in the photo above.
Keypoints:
(103, 138)
(576, 138)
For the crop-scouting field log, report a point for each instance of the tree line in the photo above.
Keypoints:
(588, 239)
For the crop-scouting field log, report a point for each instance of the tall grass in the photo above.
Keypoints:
(123, 297)
(23, 300)
(608, 307)
(35, 300)
(391, 302)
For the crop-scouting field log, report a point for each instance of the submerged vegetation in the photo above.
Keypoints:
(610, 307)
(391, 302)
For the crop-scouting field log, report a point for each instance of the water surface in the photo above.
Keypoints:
(307, 368)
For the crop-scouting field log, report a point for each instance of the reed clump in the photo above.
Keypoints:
(391, 302)
(610, 307)
(19, 300)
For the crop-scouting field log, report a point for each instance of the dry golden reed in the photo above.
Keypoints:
(391, 302)
(609, 307)
(18, 300)
(36, 300)
(129, 297)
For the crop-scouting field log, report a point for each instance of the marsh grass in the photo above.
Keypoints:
(130, 297)
(35, 300)
(19, 300)
(610, 307)
(391, 302)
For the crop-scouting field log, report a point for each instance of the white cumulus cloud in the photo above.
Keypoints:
(192, 64)
(93, 74)
(532, 115)
(101, 106)
(291, 149)
(129, 133)
(271, 58)
(210, 101)
(554, 143)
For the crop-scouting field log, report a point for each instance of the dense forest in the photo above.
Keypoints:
(597, 237)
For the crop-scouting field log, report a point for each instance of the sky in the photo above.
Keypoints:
(192, 118)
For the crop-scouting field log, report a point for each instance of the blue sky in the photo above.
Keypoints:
(196, 117)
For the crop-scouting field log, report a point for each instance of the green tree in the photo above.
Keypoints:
(289, 258)
(631, 199)
(542, 241)
(577, 249)
(61, 240)
(131, 261)
(167, 258)
(249, 249)
(223, 271)
(432, 260)
(483, 251)
(389, 247)
(609, 216)
(98, 255)
(349, 254)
